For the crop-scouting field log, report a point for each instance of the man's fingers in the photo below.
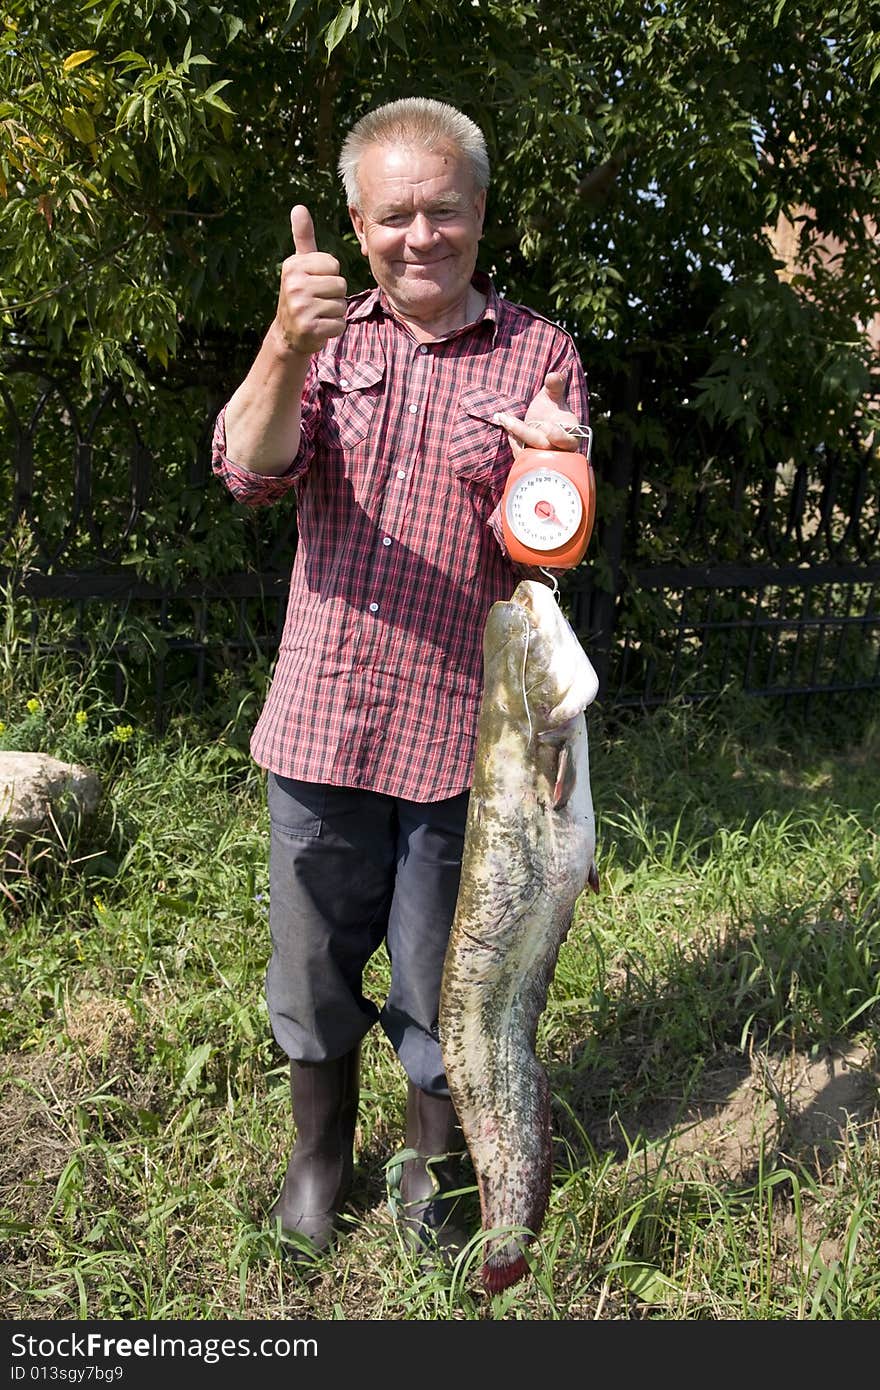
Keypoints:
(550, 402)
(545, 419)
(303, 230)
(520, 431)
(330, 325)
(304, 244)
(534, 436)
(327, 286)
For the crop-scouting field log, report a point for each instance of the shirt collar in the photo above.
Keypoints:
(374, 303)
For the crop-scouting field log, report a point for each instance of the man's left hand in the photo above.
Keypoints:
(542, 427)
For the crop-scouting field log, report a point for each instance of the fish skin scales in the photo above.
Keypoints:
(528, 854)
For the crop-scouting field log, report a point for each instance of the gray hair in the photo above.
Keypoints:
(413, 121)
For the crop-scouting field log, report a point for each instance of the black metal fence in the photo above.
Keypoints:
(113, 530)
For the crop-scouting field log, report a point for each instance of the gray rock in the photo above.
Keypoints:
(33, 784)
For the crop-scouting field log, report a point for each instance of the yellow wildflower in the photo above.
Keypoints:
(33, 705)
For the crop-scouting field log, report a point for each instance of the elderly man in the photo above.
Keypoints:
(392, 417)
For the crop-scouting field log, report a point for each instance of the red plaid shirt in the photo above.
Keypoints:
(399, 558)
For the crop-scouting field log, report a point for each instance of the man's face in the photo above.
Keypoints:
(419, 223)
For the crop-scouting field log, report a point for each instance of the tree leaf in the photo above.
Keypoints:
(338, 28)
(75, 60)
(79, 123)
(131, 59)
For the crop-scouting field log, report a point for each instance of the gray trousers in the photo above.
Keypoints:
(349, 869)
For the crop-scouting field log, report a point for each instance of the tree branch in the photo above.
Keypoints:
(83, 270)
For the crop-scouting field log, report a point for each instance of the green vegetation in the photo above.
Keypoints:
(151, 151)
(642, 154)
(712, 1030)
(706, 1167)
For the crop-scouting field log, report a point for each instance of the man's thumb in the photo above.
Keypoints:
(554, 385)
(303, 230)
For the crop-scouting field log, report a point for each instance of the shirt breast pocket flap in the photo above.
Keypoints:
(351, 392)
(479, 450)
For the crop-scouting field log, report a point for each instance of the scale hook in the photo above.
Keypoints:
(554, 582)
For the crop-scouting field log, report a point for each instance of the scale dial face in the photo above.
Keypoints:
(544, 509)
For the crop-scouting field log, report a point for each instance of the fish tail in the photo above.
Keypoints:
(498, 1274)
(515, 1192)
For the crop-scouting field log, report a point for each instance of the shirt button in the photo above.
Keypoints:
(423, 349)
(401, 472)
(413, 409)
(343, 381)
(374, 608)
(387, 540)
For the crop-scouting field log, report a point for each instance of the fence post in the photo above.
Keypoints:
(595, 604)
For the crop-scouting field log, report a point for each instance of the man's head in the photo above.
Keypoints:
(414, 123)
(415, 174)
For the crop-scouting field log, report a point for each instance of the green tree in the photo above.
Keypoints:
(150, 152)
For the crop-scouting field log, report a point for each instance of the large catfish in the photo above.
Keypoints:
(528, 854)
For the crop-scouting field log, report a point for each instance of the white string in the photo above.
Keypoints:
(577, 431)
(523, 677)
(554, 582)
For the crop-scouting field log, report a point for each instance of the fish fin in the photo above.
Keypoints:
(593, 877)
(566, 778)
(497, 1276)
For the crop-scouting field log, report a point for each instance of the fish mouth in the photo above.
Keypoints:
(532, 605)
(532, 597)
(536, 659)
(508, 624)
(558, 677)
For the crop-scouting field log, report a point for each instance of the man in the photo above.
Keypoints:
(391, 416)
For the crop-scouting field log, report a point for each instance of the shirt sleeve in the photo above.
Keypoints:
(571, 368)
(262, 489)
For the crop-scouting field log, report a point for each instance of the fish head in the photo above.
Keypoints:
(505, 644)
(558, 677)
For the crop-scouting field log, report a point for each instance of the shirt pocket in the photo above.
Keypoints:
(479, 451)
(351, 392)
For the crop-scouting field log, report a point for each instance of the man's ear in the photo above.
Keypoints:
(480, 206)
(357, 222)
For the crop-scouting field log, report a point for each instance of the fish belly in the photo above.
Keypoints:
(524, 865)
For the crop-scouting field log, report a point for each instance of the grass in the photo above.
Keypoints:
(725, 969)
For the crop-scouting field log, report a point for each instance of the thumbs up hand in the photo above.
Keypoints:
(311, 300)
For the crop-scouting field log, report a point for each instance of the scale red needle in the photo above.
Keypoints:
(545, 510)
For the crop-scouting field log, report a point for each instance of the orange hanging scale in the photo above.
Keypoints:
(549, 505)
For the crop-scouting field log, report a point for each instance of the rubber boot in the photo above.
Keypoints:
(428, 1213)
(324, 1100)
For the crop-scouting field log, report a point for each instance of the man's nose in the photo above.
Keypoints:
(422, 232)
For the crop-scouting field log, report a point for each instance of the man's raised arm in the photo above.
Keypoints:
(263, 415)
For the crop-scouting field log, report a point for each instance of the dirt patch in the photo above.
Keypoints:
(761, 1114)
(784, 1105)
(39, 1092)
